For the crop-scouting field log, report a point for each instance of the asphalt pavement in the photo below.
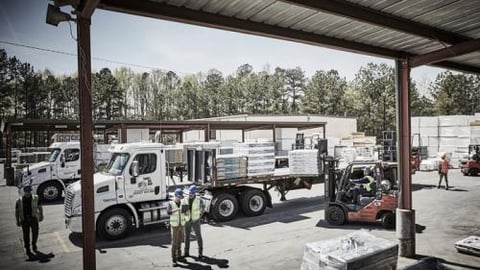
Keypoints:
(274, 240)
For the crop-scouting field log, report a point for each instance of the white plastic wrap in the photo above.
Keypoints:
(354, 251)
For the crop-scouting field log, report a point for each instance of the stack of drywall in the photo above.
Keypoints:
(357, 250)
(304, 162)
(231, 166)
(260, 157)
(454, 136)
(174, 154)
(475, 132)
(101, 154)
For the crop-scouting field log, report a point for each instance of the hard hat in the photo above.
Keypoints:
(192, 190)
(27, 188)
(386, 185)
(179, 193)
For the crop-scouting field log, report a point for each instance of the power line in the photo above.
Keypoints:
(94, 58)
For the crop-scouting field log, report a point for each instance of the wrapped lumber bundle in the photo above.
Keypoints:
(355, 251)
(304, 162)
(231, 166)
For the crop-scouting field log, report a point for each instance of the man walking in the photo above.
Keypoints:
(197, 208)
(177, 211)
(443, 171)
(28, 213)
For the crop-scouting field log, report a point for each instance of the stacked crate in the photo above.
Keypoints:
(304, 162)
(354, 251)
(260, 157)
(231, 166)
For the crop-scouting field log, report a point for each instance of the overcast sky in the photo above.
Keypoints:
(166, 45)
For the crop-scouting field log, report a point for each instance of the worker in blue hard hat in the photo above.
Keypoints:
(28, 213)
(197, 208)
(178, 212)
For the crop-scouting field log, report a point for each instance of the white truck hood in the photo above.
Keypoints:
(99, 179)
(34, 167)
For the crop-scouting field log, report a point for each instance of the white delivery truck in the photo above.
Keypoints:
(132, 191)
(49, 178)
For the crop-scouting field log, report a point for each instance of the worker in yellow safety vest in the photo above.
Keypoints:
(178, 217)
(197, 208)
(28, 213)
(363, 186)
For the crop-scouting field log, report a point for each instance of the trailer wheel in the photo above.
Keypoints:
(224, 207)
(388, 220)
(253, 202)
(335, 215)
(114, 224)
(50, 191)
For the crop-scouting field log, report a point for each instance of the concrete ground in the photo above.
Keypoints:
(274, 240)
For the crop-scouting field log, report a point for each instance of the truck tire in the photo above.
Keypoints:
(473, 171)
(224, 207)
(335, 215)
(50, 191)
(114, 224)
(388, 220)
(253, 202)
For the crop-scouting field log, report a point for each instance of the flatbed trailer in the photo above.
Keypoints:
(226, 197)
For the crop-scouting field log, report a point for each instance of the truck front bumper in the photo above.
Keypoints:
(74, 223)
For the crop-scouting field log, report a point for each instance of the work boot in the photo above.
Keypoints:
(446, 188)
(174, 264)
(186, 254)
(34, 248)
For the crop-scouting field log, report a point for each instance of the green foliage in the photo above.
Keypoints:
(163, 95)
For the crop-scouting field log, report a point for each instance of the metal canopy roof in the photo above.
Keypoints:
(165, 126)
(394, 29)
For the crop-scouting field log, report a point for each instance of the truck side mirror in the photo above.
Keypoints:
(135, 169)
(62, 160)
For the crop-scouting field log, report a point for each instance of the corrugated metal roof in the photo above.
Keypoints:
(308, 21)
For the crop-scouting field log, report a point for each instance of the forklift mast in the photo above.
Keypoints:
(330, 178)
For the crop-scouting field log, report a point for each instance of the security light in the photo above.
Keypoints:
(55, 15)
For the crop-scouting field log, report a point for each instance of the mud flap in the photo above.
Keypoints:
(268, 197)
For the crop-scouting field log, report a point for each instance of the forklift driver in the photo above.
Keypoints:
(363, 186)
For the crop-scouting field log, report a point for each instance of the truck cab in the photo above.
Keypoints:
(130, 192)
(49, 178)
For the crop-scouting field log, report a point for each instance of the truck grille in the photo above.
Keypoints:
(68, 202)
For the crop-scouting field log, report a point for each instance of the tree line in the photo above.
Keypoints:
(164, 95)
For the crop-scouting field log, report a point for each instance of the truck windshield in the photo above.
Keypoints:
(54, 154)
(117, 163)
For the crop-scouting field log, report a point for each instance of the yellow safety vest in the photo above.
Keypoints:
(195, 212)
(367, 186)
(36, 211)
(177, 218)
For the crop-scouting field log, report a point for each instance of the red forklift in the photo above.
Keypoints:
(472, 165)
(376, 206)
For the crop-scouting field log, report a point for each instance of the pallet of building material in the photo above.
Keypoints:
(470, 245)
(355, 251)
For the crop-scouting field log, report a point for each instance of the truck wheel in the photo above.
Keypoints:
(388, 220)
(50, 191)
(224, 207)
(114, 224)
(253, 202)
(335, 215)
(474, 172)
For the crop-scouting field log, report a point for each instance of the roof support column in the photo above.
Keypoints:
(9, 173)
(405, 213)
(86, 138)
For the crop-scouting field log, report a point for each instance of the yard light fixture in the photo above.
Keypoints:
(56, 16)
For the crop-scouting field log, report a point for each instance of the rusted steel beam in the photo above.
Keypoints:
(184, 15)
(86, 140)
(368, 15)
(87, 7)
(443, 54)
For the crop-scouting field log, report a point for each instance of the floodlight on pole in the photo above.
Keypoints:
(56, 16)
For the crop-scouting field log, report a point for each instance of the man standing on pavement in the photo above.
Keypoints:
(197, 208)
(178, 213)
(28, 213)
(443, 171)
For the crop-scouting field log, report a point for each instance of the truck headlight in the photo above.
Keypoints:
(77, 210)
